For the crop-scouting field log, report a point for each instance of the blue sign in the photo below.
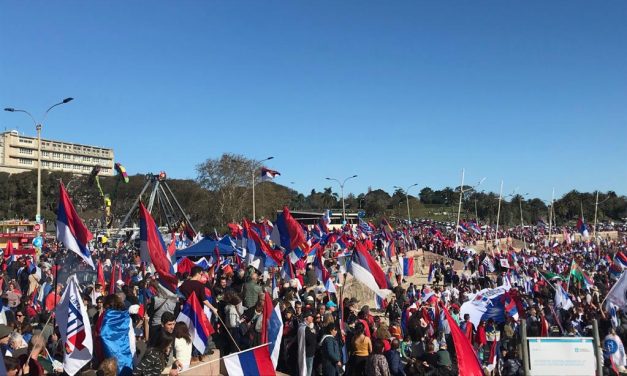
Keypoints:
(361, 214)
(38, 242)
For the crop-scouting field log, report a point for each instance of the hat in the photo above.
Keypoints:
(331, 304)
(310, 298)
(120, 282)
(5, 331)
(306, 314)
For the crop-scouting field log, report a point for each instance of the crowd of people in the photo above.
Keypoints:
(324, 332)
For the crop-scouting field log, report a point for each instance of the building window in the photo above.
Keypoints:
(25, 141)
(45, 154)
(56, 164)
(45, 164)
(67, 156)
(86, 159)
(26, 161)
(56, 155)
(26, 151)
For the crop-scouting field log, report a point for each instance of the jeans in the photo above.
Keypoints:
(309, 362)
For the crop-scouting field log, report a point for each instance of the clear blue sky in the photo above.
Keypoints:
(532, 92)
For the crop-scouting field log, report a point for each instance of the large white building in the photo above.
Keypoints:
(18, 153)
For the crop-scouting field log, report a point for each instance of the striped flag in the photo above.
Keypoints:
(408, 266)
(197, 322)
(71, 231)
(252, 362)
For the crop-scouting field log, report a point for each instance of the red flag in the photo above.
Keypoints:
(101, 278)
(8, 250)
(466, 358)
(268, 307)
(152, 245)
(112, 280)
(297, 237)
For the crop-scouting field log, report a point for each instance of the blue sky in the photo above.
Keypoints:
(405, 92)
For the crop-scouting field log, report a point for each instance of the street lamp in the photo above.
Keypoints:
(461, 195)
(38, 128)
(255, 166)
(342, 192)
(406, 190)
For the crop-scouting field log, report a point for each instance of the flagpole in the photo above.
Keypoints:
(255, 166)
(498, 214)
(551, 216)
(229, 333)
(459, 207)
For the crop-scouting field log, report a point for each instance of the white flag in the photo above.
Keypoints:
(562, 300)
(617, 294)
(614, 349)
(74, 328)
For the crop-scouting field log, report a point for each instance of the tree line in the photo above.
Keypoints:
(222, 193)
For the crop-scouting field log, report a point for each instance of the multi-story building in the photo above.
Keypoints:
(18, 153)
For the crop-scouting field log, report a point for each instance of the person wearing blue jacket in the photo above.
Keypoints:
(331, 358)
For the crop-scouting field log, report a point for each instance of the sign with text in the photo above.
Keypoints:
(561, 356)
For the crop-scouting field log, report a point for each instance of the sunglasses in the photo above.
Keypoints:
(19, 315)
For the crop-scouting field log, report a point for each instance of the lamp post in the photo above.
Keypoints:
(255, 166)
(406, 190)
(38, 128)
(459, 207)
(342, 193)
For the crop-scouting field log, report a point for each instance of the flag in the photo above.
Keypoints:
(582, 227)
(275, 288)
(562, 300)
(467, 361)
(274, 330)
(100, 276)
(408, 266)
(366, 270)
(493, 358)
(431, 274)
(323, 273)
(325, 221)
(75, 329)
(194, 317)
(71, 230)
(292, 237)
(614, 350)
(252, 362)
(620, 258)
(8, 252)
(153, 249)
(118, 339)
(504, 263)
(611, 309)
(618, 293)
(551, 276)
(258, 246)
(380, 303)
(365, 227)
(268, 175)
(486, 304)
(510, 307)
(489, 265)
